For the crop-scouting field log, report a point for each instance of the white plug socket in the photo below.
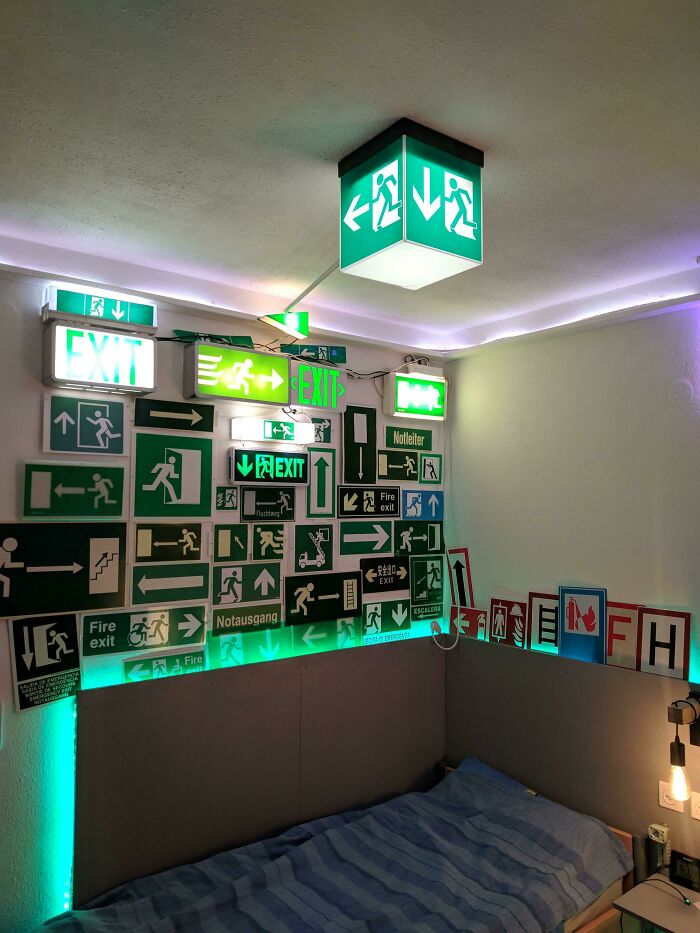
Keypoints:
(666, 799)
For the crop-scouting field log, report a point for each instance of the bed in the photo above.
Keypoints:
(477, 852)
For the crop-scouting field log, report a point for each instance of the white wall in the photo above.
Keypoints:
(36, 764)
(576, 459)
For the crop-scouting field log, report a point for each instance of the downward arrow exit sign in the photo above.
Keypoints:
(410, 207)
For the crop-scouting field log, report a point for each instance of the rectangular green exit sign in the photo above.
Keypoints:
(411, 207)
(213, 370)
(89, 356)
(107, 307)
(268, 466)
(415, 395)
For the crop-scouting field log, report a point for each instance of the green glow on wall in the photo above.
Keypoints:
(59, 804)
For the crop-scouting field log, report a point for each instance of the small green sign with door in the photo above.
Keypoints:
(172, 476)
(66, 490)
(122, 309)
(87, 426)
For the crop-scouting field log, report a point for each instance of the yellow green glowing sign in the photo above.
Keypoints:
(217, 371)
(415, 395)
(90, 356)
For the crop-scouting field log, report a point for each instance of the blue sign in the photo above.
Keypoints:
(582, 623)
(423, 504)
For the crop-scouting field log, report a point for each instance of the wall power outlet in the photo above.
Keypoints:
(695, 806)
(666, 800)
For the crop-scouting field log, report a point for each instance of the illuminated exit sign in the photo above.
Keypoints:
(101, 359)
(268, 466)
(316, 386)
(104, 307)
(411, 207)
(213, 370)
(415, 395)
(267, 429)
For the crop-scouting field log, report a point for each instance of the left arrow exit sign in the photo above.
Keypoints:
(411, 207)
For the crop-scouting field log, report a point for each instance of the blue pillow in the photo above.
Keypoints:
(479, 769)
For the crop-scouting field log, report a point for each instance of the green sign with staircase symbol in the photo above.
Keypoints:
(313, 547)
(269, 466)
(213, 370)
(411, 211)
(143, 629)
(87, 426)
(427, 579)
(66, 490)
(166, 665)
(61, 567)
(230, 542)
(245, 583)
(363, 537)
(172, 476)
(169, 583)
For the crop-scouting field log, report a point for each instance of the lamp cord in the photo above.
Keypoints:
(668, 884)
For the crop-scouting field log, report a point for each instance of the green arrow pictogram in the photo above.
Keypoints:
(244, 465)
(321, 467)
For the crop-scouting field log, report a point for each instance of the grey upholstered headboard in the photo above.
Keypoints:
(170, 771)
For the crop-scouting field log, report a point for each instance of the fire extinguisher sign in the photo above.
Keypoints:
(582, 622)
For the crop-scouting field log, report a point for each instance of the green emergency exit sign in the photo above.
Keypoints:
(106, 307)
(267, 466)
(213, 370)
(415, 395)
(411, 207)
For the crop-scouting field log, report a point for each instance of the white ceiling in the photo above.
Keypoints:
(190, 150)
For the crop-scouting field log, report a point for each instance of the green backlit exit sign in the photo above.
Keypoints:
(411, 207)
(415, 395)
(213, 370)
(90, 356)
(317, 386)
(268, 466)
(106, 307)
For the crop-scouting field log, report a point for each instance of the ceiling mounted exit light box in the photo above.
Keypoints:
(411, 207)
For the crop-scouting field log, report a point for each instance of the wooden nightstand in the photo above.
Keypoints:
(660, 907)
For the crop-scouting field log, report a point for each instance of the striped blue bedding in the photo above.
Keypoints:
(470, 854)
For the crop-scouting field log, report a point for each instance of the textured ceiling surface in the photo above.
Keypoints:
(202, 140)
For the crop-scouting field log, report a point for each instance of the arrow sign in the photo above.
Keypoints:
(244, 466)
(425, 205)
(354, 210)
(62, 490)
(192, 416)
(264, 582)
(399, 614)
(359, 444)
(171, 582)
(269, 650)
(146, 584)
(181, 416)
(59, 490)
(64, 419)
(309, 636)
(139, 672)
(189, 626)
(57, 568)
(364, 537)
(28, 655)
(460, 577)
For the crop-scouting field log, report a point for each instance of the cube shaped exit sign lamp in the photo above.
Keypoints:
(411, 207)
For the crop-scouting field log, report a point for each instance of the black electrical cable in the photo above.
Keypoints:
(686, 900)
